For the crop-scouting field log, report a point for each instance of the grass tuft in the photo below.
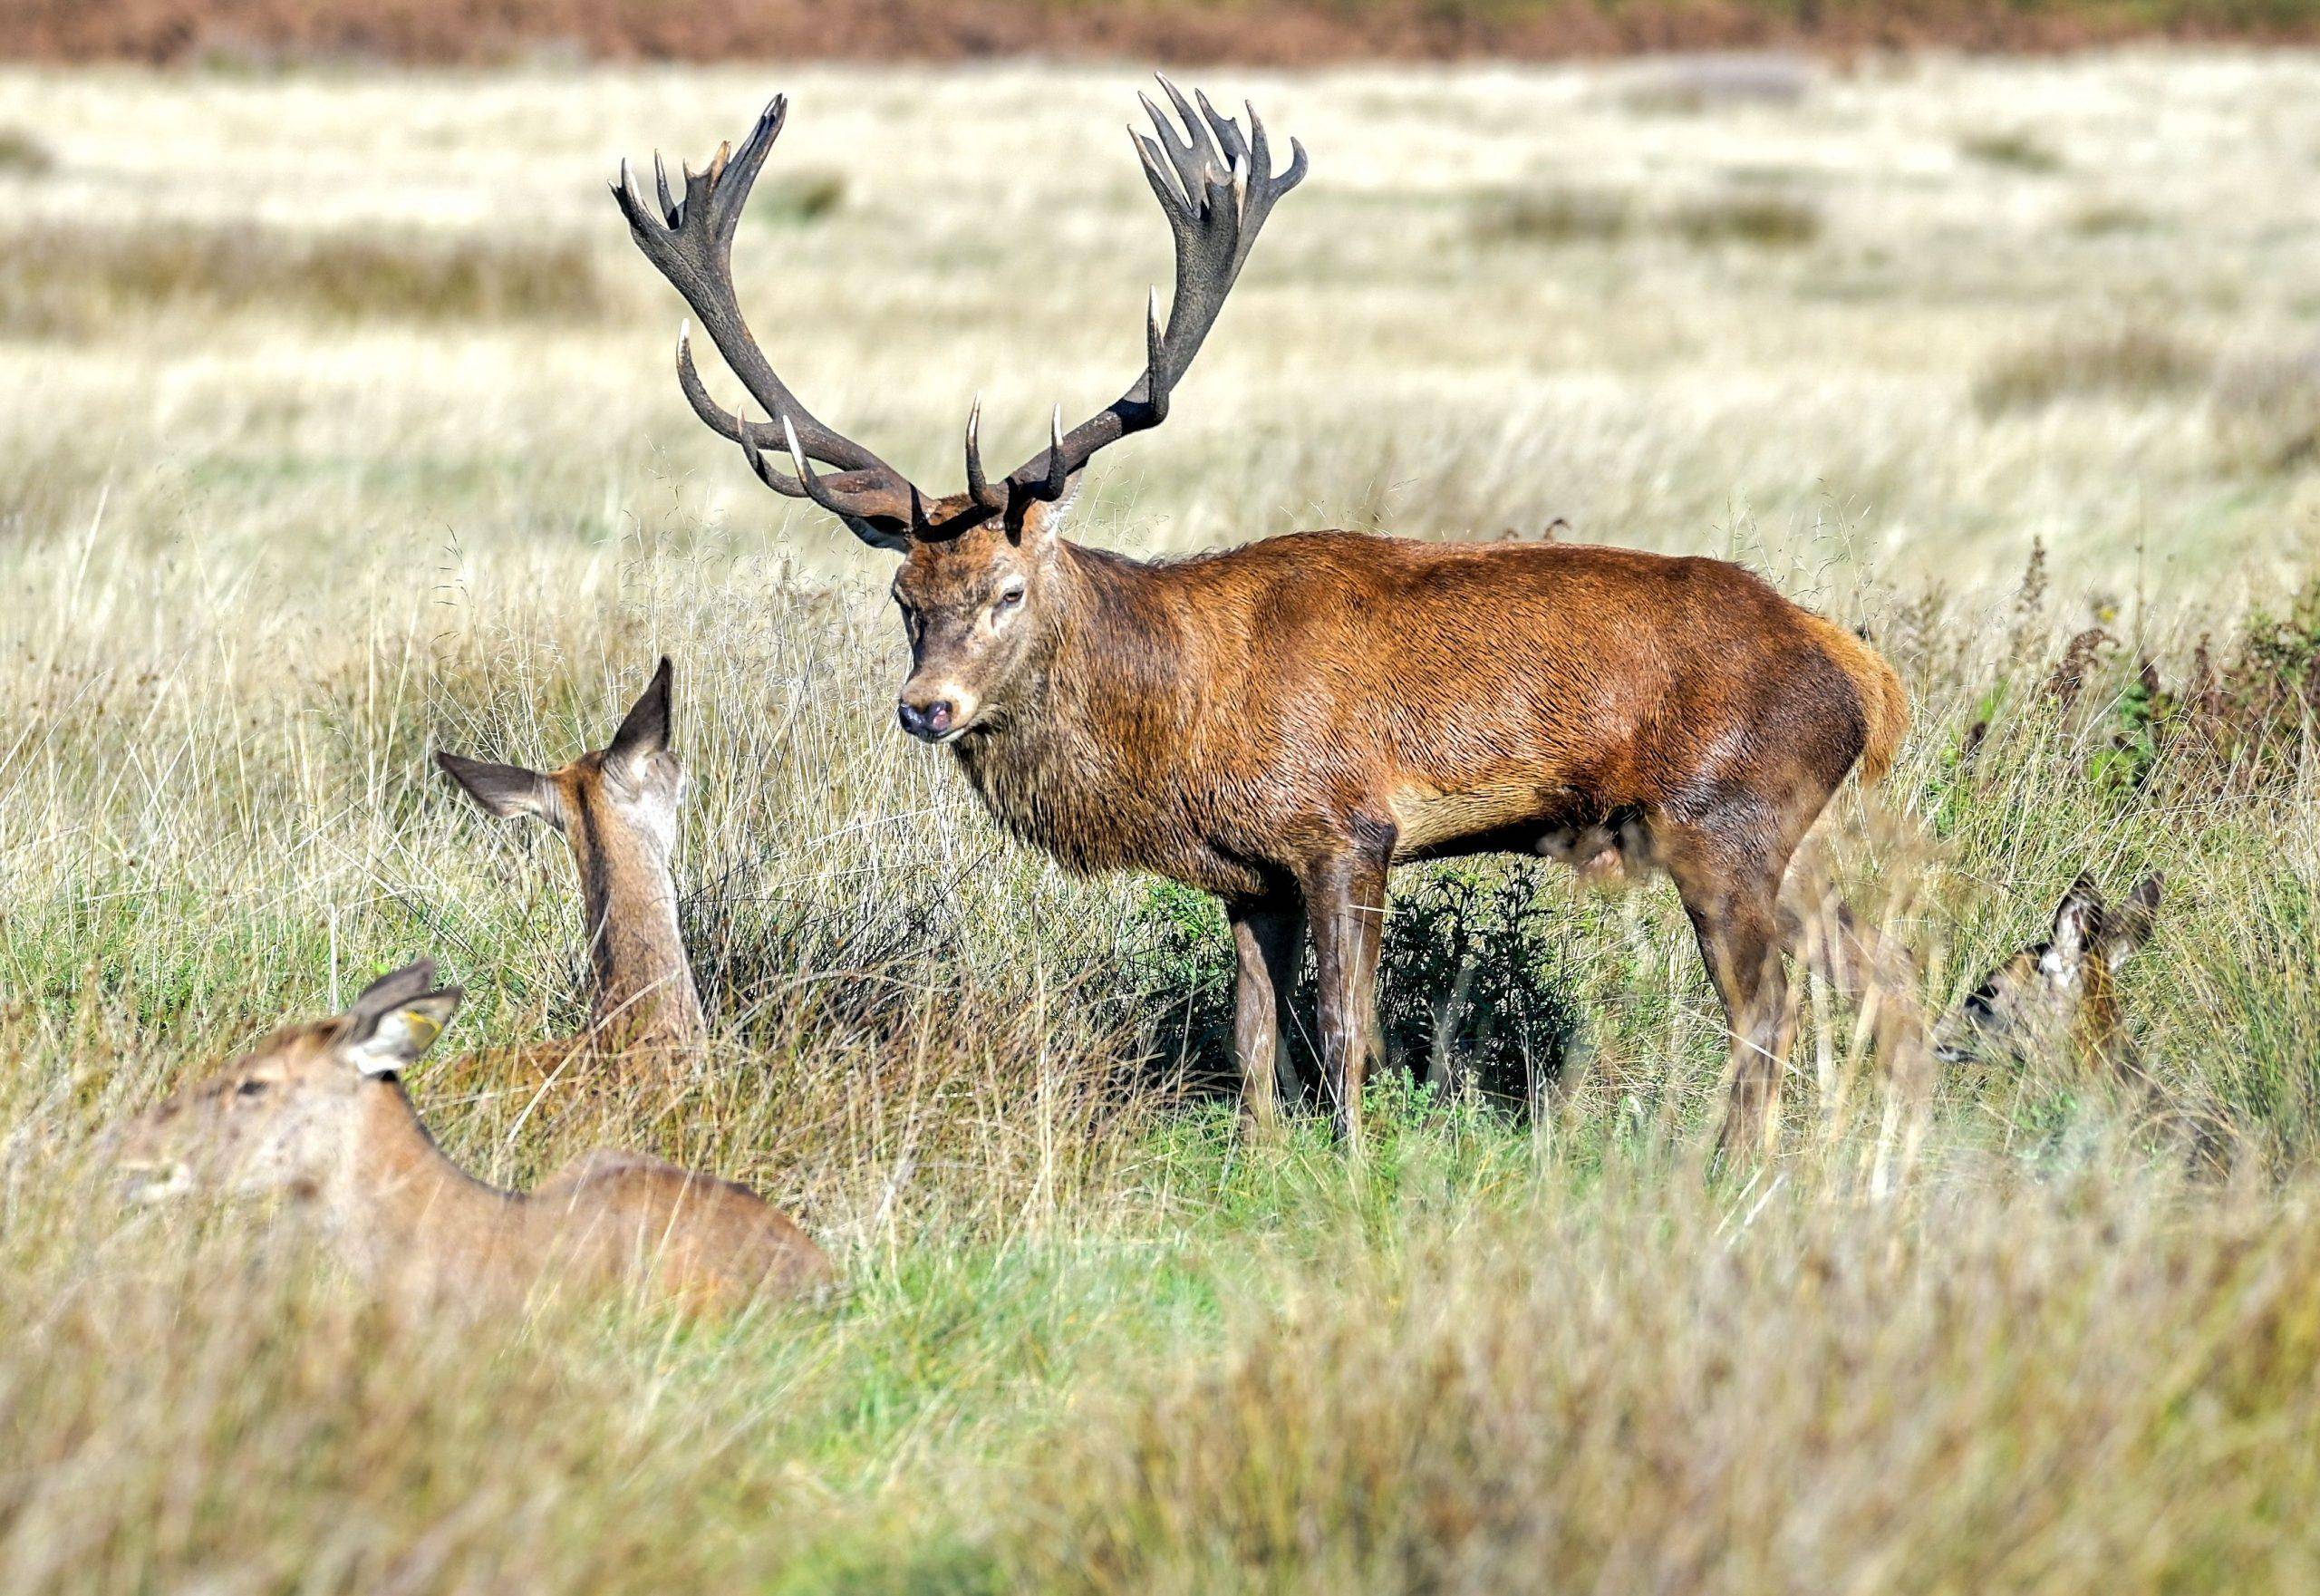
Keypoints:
(24, 156)
(81, 281)
(2136, 363)
(2011, 151)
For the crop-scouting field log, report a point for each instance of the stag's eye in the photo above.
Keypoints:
(1009, 597)
(251, 1088)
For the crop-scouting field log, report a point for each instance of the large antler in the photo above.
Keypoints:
(1217, 187)
(691, 243)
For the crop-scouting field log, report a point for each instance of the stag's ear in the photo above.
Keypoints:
(879, 532)
(2129, 926)
(646, 731)
(387, 1042)
(1040, 519)
(2078, 922)
(505, 791)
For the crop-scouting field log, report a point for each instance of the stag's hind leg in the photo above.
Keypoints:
(1729, 881)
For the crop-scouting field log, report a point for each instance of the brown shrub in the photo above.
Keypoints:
(73, 281)
(1290, 33)
(2134, 362)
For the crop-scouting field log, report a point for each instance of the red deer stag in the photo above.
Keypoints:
(1281, 723)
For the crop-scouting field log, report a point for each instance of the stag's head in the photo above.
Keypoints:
(978, 588)
(625, 792)
(285, 1116)
(2061, 991)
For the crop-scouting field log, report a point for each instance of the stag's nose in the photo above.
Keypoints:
(927, 721)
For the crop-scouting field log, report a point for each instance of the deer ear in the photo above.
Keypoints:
(2129, 926)
(505, 791)
(2078, 921)
(646, 731)
(1041, 519)
(389, 1042)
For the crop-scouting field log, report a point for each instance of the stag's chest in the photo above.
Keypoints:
(1092, 812)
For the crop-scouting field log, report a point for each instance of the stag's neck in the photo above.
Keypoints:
(644, 993)
(1084, 764)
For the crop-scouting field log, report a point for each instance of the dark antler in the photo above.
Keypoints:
(691, 243)
(1217, 187)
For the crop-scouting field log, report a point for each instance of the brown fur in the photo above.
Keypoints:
(2063, 993)
(616, 809)
(316, 1113)
(1281, 723)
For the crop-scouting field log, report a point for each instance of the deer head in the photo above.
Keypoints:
(631, 787)
(285, 1116)
(978, 587)
(2061, 990)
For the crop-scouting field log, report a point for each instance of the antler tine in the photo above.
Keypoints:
(690, 243)
(1154, 342)
(979, 488)
(1190, 156)
(1058, 463)
(1227, 131)
(788, 487)
(1215, 185)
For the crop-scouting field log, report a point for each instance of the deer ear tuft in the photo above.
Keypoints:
(505, 791)
(388, 1043)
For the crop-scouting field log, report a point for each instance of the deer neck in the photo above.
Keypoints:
(399, 1200)
(1085, 760)
(644, 993)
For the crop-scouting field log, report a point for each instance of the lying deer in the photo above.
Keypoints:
(2063, 989)
(1281, 724)
(616, 809)
(318, 1113)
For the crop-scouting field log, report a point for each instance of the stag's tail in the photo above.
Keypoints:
(1883, 703)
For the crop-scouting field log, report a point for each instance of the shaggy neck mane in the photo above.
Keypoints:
(1083, 763)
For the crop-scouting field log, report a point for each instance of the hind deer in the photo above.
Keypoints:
(317, 1112)
(1282, 723)
(2063, 989)
(616, 809)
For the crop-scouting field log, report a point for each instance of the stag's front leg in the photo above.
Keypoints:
(1267, 934)
(1346, 906)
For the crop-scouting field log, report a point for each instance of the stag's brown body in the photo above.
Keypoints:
(1281, 724)
(1234, 720)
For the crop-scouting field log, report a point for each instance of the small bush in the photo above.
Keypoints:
(23, 155)
(74, 280)
(1558, 217)
(2112, 220)
(2018, 151)
(2134, 363)
(798, 200)
(1563, 217)
(1471, 985)
(1765, 220)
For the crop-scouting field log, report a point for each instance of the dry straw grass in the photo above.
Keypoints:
(2042, 1332)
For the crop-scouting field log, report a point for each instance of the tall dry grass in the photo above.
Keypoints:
(2044, 1332)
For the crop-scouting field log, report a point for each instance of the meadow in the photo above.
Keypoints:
(337, 424)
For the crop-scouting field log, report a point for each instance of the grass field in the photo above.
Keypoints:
(337, 425)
